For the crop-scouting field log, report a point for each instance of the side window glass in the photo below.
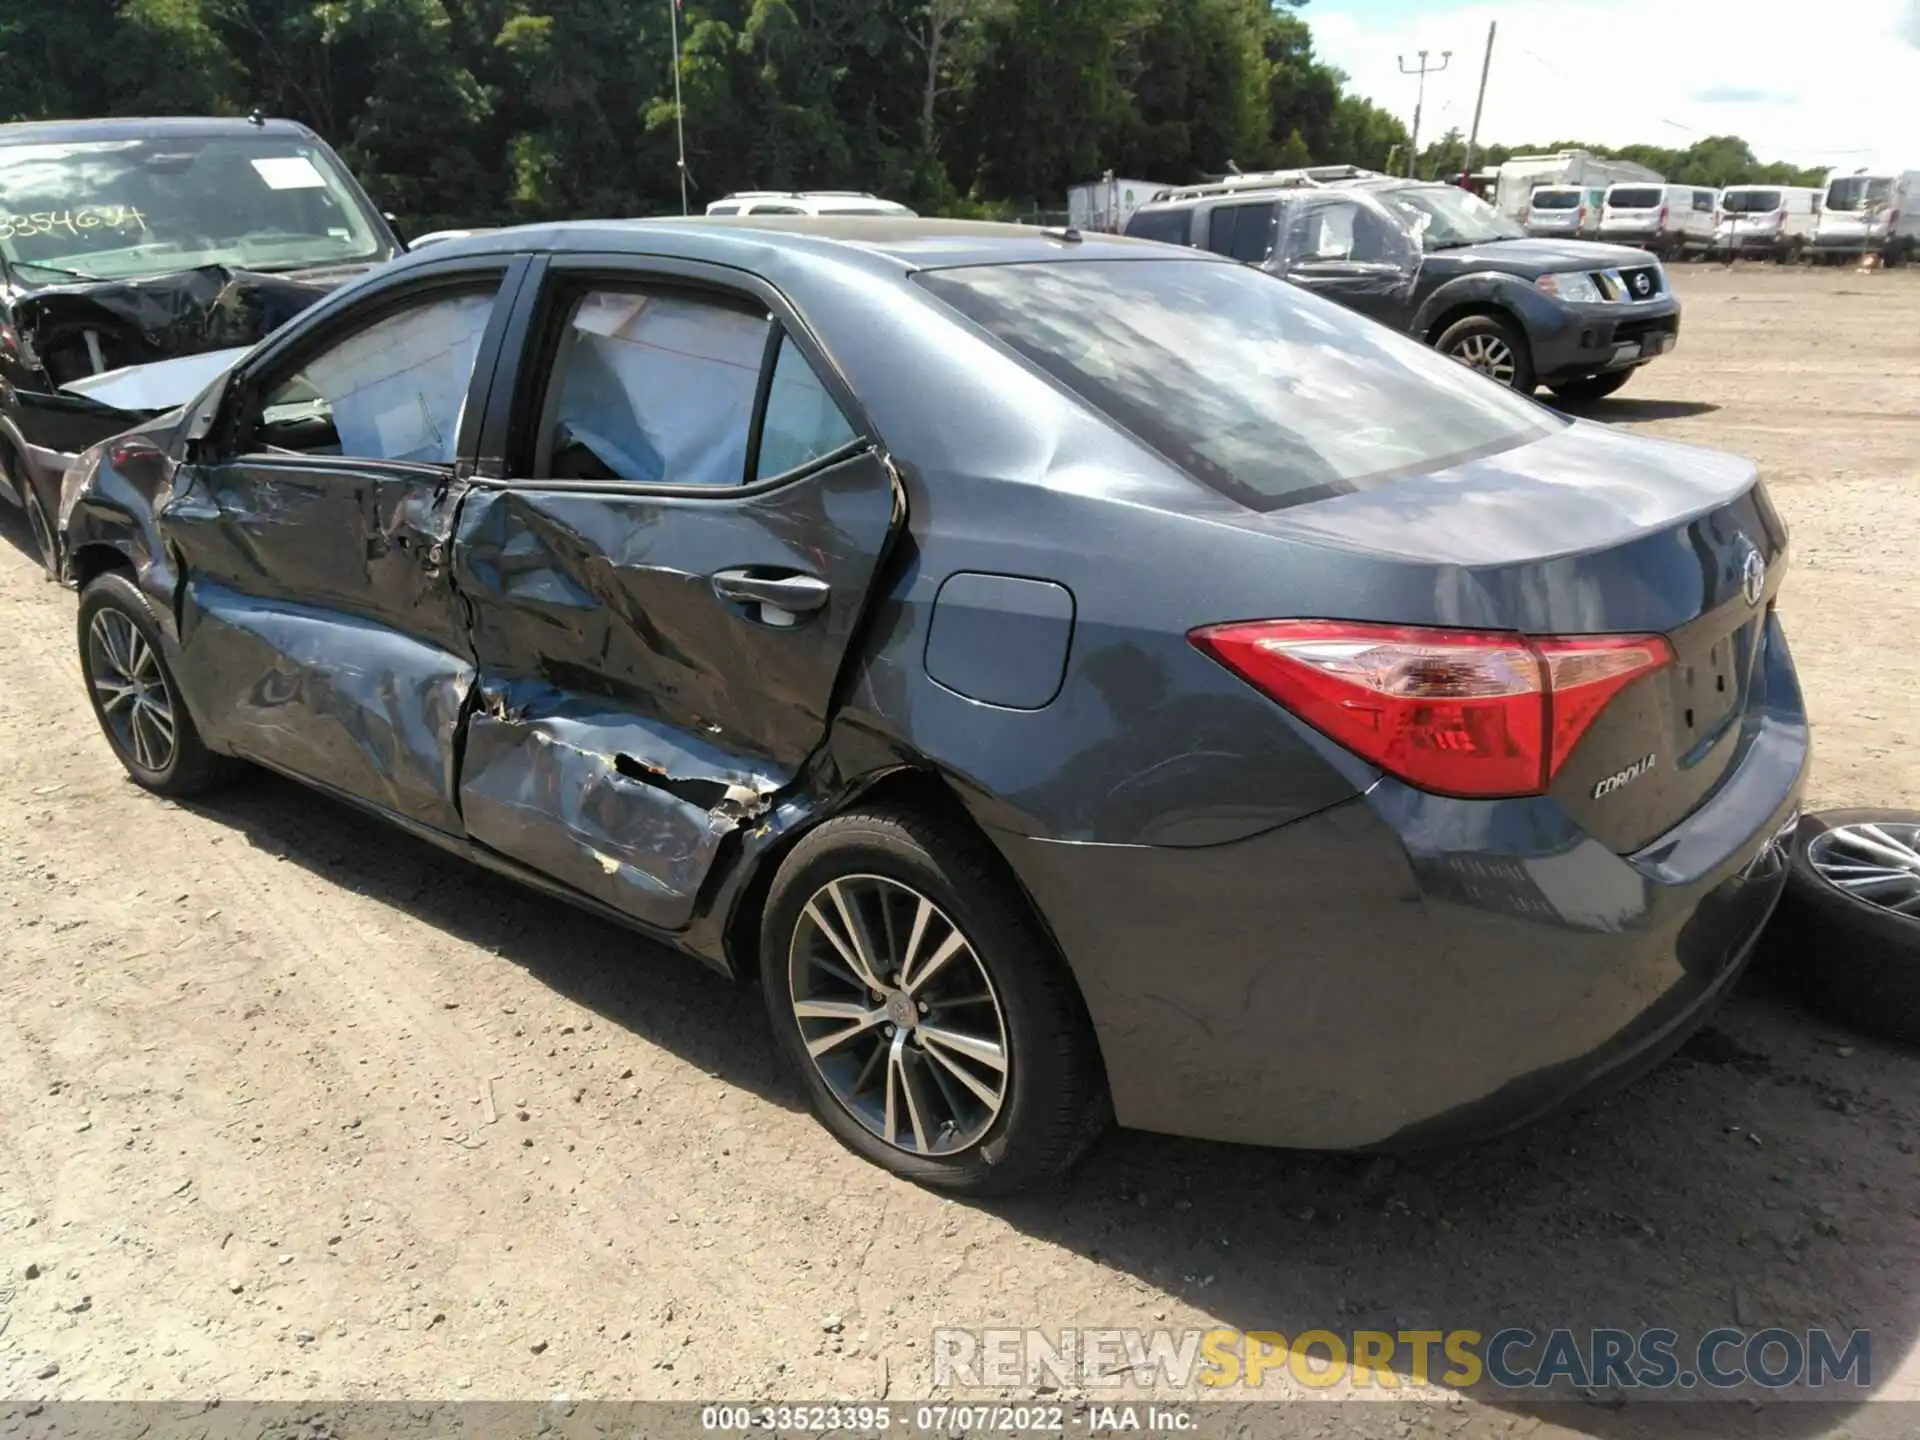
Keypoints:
(1220, 228)
(653, 388)
(1243, 232)
(802, 423)
(393, 391)
(1330, 233)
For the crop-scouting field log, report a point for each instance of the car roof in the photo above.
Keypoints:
(897, 243)
(40, 132)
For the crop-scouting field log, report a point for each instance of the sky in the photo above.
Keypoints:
(1832, 84)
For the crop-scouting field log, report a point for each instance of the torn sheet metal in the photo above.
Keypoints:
(148, 390)
(81, 329)
(348, 702)
(622, 808)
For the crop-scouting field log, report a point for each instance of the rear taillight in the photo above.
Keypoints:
(133, 450)
(1458, 712)
(1663, 218)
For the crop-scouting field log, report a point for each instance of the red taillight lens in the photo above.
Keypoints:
(1663, 217)
(133, 450)
(1458, 712)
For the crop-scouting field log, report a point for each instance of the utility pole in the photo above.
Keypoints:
(679, 115)
(1422, 70)
(1479, 100)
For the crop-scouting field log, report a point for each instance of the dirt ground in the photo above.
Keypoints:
(246, 1047)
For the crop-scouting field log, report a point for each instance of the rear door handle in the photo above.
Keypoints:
(780, 594)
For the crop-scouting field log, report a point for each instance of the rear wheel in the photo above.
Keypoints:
(1493, 347)
(1592, 387)
(936, 1032)
(134, 695)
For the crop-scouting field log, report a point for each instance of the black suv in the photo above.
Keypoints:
(1445, 267)
(124, 242)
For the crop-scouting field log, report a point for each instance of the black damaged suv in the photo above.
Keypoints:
(124, 242)
(1443, 266)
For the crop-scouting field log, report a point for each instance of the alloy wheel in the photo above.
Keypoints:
(898, 1015)
(1878, 863)
(1488, 354)
(131, 690)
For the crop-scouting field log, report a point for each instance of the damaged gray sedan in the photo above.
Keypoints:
(1081, 679)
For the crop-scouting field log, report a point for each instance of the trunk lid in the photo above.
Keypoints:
(1590, 532)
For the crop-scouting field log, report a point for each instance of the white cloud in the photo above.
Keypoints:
(1833, 84)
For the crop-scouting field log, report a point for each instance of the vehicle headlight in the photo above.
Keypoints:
(1578, 287)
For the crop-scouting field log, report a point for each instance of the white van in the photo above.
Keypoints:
(1564, 211)
(1669, 220)
(1862, 213)
(1774, 221)
(805, 202)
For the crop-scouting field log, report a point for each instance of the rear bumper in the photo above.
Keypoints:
(1404, 968)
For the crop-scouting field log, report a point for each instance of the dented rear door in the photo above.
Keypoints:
(663, 588)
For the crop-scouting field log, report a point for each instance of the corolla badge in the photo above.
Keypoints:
(1753, 576)
(1624, 777)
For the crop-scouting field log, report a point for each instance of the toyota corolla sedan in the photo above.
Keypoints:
(1081, 679)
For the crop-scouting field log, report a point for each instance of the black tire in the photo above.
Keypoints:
(1593, 387)
(1054, 1103)
(188, 767)
(41, 526)
(1846, 957)
(1462, 335)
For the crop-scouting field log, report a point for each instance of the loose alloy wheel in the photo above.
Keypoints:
(130, 690)
(1877, 863)
(900, 1018)
(1846, 938)
(135, 698)
(933, 1024)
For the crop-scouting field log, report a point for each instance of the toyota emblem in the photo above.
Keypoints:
(1641, 285)
(1753, 577)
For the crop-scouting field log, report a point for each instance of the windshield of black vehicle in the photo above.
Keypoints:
(1856, 192)
(1263, 392)
(114, 209)
(1635, 197)
(1445, 217)
(1556, 199)
(1750, 202)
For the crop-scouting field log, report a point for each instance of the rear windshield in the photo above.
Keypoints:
(1635, 197)
(1556, 199)
(1270, 395)
(1172, 226)
(1750, 202)
(1856, 192)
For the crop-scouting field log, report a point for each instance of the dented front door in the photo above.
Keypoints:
(319, 632)
(660, 610)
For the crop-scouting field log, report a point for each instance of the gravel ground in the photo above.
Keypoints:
(296, 1106)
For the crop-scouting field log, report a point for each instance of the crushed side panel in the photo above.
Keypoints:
(355, 704)
(617, 806)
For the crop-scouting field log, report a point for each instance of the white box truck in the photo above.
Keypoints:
(1865, 212)
(1521, 175)
(1106, 204)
